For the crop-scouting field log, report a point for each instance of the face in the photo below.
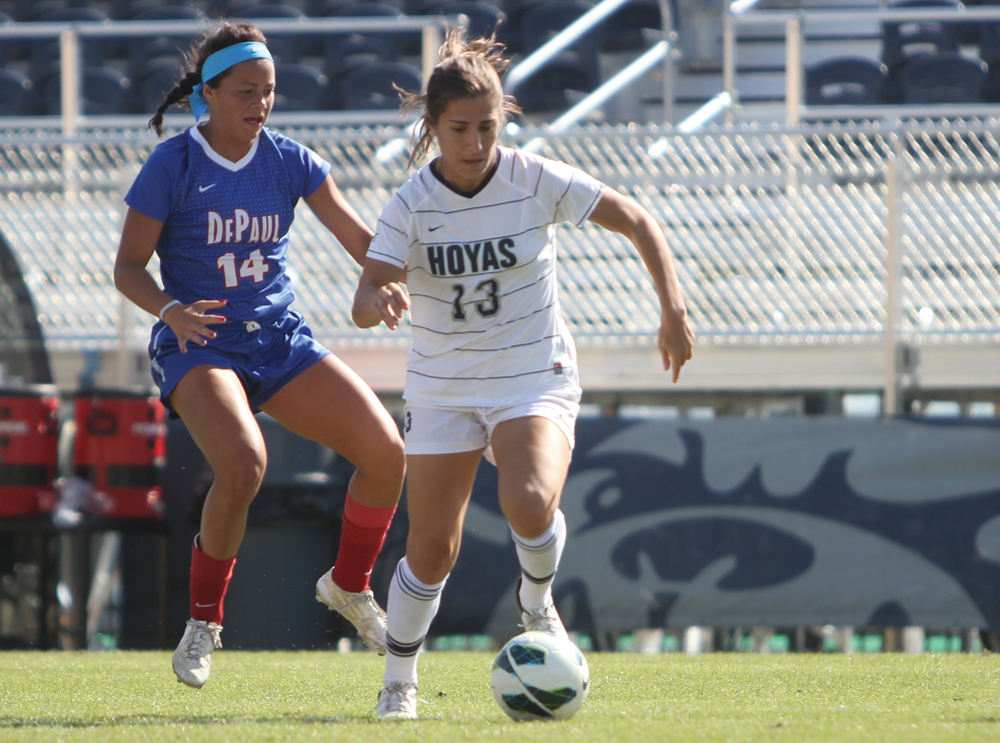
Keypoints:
(467, 134)
(243, 99)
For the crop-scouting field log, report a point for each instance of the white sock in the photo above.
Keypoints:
(410, 610)
(539, 558)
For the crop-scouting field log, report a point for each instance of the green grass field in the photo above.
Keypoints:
(293, 696)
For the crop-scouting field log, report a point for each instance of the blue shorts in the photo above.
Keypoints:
(265, 355)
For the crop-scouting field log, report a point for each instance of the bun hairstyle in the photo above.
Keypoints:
(468, 69)
(225, 33)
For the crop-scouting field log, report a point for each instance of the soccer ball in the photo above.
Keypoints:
(538, 676)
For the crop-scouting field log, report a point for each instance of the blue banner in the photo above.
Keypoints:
(742, 522)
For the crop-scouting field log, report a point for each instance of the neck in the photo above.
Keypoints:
(226, 145)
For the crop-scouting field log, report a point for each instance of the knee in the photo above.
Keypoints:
(385, 460)
(432, 559)
(239, 474)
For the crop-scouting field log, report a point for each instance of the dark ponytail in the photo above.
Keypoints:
(221, 35)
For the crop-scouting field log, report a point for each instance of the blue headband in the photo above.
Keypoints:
(218, 63)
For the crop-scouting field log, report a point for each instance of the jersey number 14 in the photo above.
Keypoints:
(254, 267)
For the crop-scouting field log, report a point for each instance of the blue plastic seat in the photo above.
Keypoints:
(944, 78)
(406, 43)
(297, 87)
(30, 10)
(989, 52)
(576, 68)
(371, 87)
(141, 49)
(483, 17)
(843, 81)
(14, 92)
(103, 92)
(903, 42)
(284, 47)
(45, 52)
(624, 30)
(156, 85)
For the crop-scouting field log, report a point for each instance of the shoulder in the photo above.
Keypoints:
(170, 154)
(415, 192)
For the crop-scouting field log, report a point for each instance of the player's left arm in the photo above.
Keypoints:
(625, 216)
(332, 209)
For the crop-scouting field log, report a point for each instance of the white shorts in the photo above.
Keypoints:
(434, 430)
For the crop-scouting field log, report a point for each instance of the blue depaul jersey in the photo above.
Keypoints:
(225, 224)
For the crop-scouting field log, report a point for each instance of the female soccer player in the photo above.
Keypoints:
(215, 203)
(493, 367)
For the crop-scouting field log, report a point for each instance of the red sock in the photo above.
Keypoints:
(209, 582)
(362, 533)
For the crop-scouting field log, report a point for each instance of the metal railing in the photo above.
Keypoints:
(813, 236)
(583, 25)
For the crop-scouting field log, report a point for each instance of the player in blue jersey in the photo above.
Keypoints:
(215, 204)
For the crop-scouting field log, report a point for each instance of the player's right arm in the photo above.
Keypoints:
(140, 235)
(381, 295)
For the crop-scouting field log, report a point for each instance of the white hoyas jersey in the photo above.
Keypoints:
(481, 271)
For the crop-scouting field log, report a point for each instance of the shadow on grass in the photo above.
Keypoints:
(169, 720)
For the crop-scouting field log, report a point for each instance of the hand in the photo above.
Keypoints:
(675, 340)
(390, 301)
(190, 323)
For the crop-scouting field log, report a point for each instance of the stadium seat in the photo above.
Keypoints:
(141, 49)
(902, 42)
(854, 81)
(30, 10)
(944, 78)
(14, 91)
(297, 87)
(989, 52)
(6, 45)
(483, 17)
(406, 43)
(103, 92)
(371, 87)
(344, 53)
(155, 88)
(126, 10)
(323, 8)
(576, 68)
(139, 75)
(284, 47)
(45, 52)
(624, 30)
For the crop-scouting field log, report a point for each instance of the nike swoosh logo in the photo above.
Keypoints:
(436, 228)
(202, 189)
(205, 606)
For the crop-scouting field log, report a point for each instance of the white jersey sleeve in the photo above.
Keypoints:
(394, 233)
(573, 193)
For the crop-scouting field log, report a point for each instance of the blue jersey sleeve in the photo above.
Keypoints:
(152, 192)
(306, 169)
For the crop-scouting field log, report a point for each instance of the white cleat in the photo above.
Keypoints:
(543, 619)
(360, 609)
(397, 701)
(192, 660)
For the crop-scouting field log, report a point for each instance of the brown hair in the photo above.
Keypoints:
(468, 69)
(225, 33)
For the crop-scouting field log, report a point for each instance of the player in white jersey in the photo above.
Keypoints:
(215, 203)
(492, 368)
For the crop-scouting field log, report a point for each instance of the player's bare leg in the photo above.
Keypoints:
(533, 456)
(214, 407)
(329, 403)
(438, 491)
